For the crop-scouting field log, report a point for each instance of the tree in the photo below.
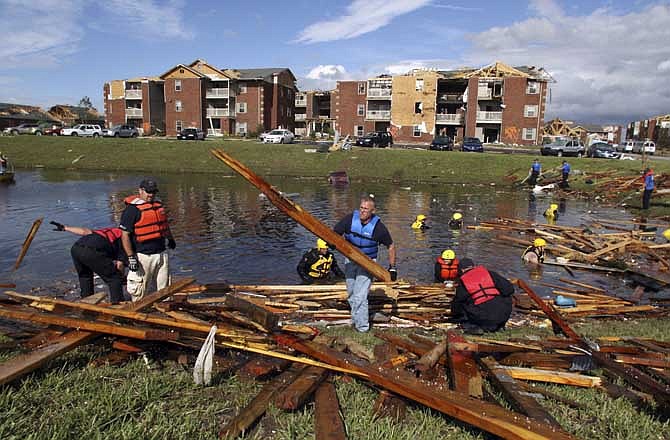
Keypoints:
(85, 102)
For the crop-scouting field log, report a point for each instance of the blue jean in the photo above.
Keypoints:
(358, 285)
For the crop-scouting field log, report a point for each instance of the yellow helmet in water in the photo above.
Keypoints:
(539, 242)
(448, 255)
(457, 216)
(666, 234)
(321, 244)
(553, 206)
(420, 217)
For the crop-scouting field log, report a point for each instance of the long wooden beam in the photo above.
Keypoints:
(328, 424)
(303, 217)
(26, 243)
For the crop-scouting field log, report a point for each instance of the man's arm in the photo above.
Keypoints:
(77, 230)
(302, 267)
(458, 303)
(392, 254)
(438, 272)
(335, 269)
(502, 284)
(127, 243)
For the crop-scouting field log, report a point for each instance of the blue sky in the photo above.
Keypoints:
(610, 59)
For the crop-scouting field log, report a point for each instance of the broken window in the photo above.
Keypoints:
(359, 130)
(178, 126)
(243, 88)
(177, 106)
(361, 88)
(416, 131)
(497, 89)
(419, 85)
(532, 88)
(361, 110)
(418, 107)
(177, 85)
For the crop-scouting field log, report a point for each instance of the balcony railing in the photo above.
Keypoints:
(301, 103)
(220, 113)
(134, 112)
(484, 93)
(133, 94)
(489, 116)
(449, 118)
(378, 115)
(379, 93)
(451, 97)
(219, 93)
(300, 116)
(214, 132)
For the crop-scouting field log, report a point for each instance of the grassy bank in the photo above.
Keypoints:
(403, 166)
(71, 399)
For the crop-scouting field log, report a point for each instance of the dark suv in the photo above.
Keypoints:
(191, 133)
(442, 143)
(375, 139)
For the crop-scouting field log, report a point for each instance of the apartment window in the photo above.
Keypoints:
(418, 108)
(177, 85)
(241, 107)
(530, 111)
(419, 85)
(178, 126)
(416, 131)
(361, 110)
(359, 130)
(177, 106)
(532, 88)
(528, 134)
(241, 128)
(243, 88)
(361, 88)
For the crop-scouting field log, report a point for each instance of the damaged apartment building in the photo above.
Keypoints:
(313, 113)
(656, 129)
(218, 101)
(497, 103)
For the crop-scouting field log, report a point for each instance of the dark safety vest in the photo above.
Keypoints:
(479, 284)
(153, 221)
(361, 236)
(110, 234)
(536, 251)
(321, 267)
(448, 272)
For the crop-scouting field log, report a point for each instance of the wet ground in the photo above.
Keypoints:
(226, 230)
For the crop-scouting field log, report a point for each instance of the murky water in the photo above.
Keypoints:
(225, 230)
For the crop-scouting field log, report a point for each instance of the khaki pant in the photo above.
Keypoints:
(152, 267)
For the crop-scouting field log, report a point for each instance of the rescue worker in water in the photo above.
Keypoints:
(535, 253)
(420, 223)
(446, 267)
(318, 265)
(483, 300)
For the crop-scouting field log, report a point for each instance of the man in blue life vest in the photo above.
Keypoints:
(648, 187)
(565, 172)
(535, 170)
(483, 300)
(145, 229)
(364, 229)
(97, 251)
(319, 265)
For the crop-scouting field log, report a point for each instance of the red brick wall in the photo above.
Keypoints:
(514, 121)
(115, 109)
(405, 135)
(284, 99)
(471, 113)
(191, 96)
(343, 108)
(254, 106)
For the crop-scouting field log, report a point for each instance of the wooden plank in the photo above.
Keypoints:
(489, 417)
(26, 243)
(254, 311)
(387, 404)
(301, 389)
(328, 423)
(307, 220)
(549, 311)
(515, 395)
(552, 376)
(463, 372)
(259, 367)
(637, 360)
(257, 407)
(429, 359)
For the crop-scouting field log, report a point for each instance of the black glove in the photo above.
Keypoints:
(394, 273)
(332, 247)
(59, 226)
(133, 265)
(171, 243)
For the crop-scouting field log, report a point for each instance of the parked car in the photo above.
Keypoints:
(472, 144)
(647, 146)
(87, 130)
(121, 131)
(24, 129)
(54, 130)
(603, 150)
(375, 139)
(191, 134)
(279, 136)
(563, 147)
(626, 147)
(442, 143)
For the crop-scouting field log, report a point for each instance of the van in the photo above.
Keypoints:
(627, 146)
(640, 147)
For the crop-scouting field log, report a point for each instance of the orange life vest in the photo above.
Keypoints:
(448, 272)
(111, 234)
(479, 284)
(153, 221)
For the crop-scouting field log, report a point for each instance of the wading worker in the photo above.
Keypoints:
(648, 186)
(98, 251)
(319, 265)
(456, 221)
(483, 300)
(446, 267)
(535, 170)
(364, 229)
(420, 223)
(145, 229)
(535, 253)
(565, 172)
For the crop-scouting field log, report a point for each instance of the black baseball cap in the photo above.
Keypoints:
(149, 185)
(465, 263)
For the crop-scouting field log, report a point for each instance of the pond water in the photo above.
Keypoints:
(226, 230)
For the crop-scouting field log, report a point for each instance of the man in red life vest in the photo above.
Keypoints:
(483, 300)
(446, 267)
(98, 251)
(145, 228)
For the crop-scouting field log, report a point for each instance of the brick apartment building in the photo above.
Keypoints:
(656, 129)
(497, 103)
(313, 113)
(200, 95)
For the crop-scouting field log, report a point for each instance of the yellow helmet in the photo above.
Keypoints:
(457, 216)
(448, 255)
(666, 234)
(539, 242)
(321, 244)
(553, 206)
(420, 217)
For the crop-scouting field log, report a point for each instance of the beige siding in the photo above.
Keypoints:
(405, 96)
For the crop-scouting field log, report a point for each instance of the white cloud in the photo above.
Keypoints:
(455, 7)
(545, 8)
(327, 71)
(361, 17)
(608, 66)
(148, 18)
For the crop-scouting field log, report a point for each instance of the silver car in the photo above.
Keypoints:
(121, 131)
(563, 147)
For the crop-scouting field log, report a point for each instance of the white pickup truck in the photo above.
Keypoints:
(87, 130)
